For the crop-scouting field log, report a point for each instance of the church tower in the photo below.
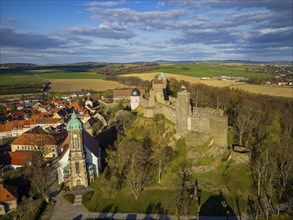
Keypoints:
(77, 166)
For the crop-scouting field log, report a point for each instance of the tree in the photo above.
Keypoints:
(3, 111)
(42, 143)
(123, 119)
(246, 122)
(163, 157)
(174, 87)
(118, 159)
(96, 128)
(183, 174)
(39, 175)
(139, 167)
(13, 108)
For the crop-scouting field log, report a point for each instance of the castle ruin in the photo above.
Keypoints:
(180, 112)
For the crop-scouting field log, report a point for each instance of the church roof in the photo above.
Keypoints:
(91, 143)
(162, 76)
(74, 123)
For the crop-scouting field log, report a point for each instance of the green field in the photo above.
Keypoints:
(71, 72)
(21, 78)
(214, 70)
(35, 76)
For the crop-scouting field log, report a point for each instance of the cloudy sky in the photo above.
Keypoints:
(43, 31)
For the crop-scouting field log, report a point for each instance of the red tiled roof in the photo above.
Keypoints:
(158, 81)
(34, 139)
(15, 158)
(121, 93)
(7, 193)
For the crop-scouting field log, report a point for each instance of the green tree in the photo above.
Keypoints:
(3, 111)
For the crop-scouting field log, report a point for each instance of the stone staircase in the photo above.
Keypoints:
(77, 200)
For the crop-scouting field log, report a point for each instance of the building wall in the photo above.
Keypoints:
(144, 102)
(169, 113)
(52, 151)
(9, 205)
(199, 123)
(134, 102)
(150, 112)
(219, 130)
(62, 163)
(2, 209)
(92, 159)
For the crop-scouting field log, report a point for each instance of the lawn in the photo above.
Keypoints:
(213, 70)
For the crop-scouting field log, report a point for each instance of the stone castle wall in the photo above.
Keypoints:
(178, 111)
(219, 130)
(200, 123)
(169, 113)
(144, 102)
(150, 112)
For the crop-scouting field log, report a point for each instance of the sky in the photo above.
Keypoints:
(69, 31)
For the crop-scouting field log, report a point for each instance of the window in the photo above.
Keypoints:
(77, 168)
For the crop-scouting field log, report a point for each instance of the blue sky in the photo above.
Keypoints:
(70, 31)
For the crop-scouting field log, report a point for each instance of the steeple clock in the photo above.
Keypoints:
(77, 165)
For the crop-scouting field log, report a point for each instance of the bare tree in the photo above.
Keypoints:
(42, 143)
(123, 118)
(246, 122)
(118, 158)
(164, 156)
(183, 174)
(139, 167)
(39, 175)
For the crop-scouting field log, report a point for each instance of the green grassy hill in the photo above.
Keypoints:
(223, 178)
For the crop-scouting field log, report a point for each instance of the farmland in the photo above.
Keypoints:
(70, 77)
(63, 85)
(258, 89)
(215, 70)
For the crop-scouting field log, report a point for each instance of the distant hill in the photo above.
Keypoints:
(18, 66)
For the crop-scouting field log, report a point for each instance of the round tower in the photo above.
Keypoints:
(134, 98)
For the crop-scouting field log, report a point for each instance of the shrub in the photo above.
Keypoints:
(87, 196)
(69, 198)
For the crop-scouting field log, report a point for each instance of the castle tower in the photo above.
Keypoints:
(182, 112)
(77, 165)
(134, 98)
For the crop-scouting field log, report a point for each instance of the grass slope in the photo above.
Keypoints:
(233, 179)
